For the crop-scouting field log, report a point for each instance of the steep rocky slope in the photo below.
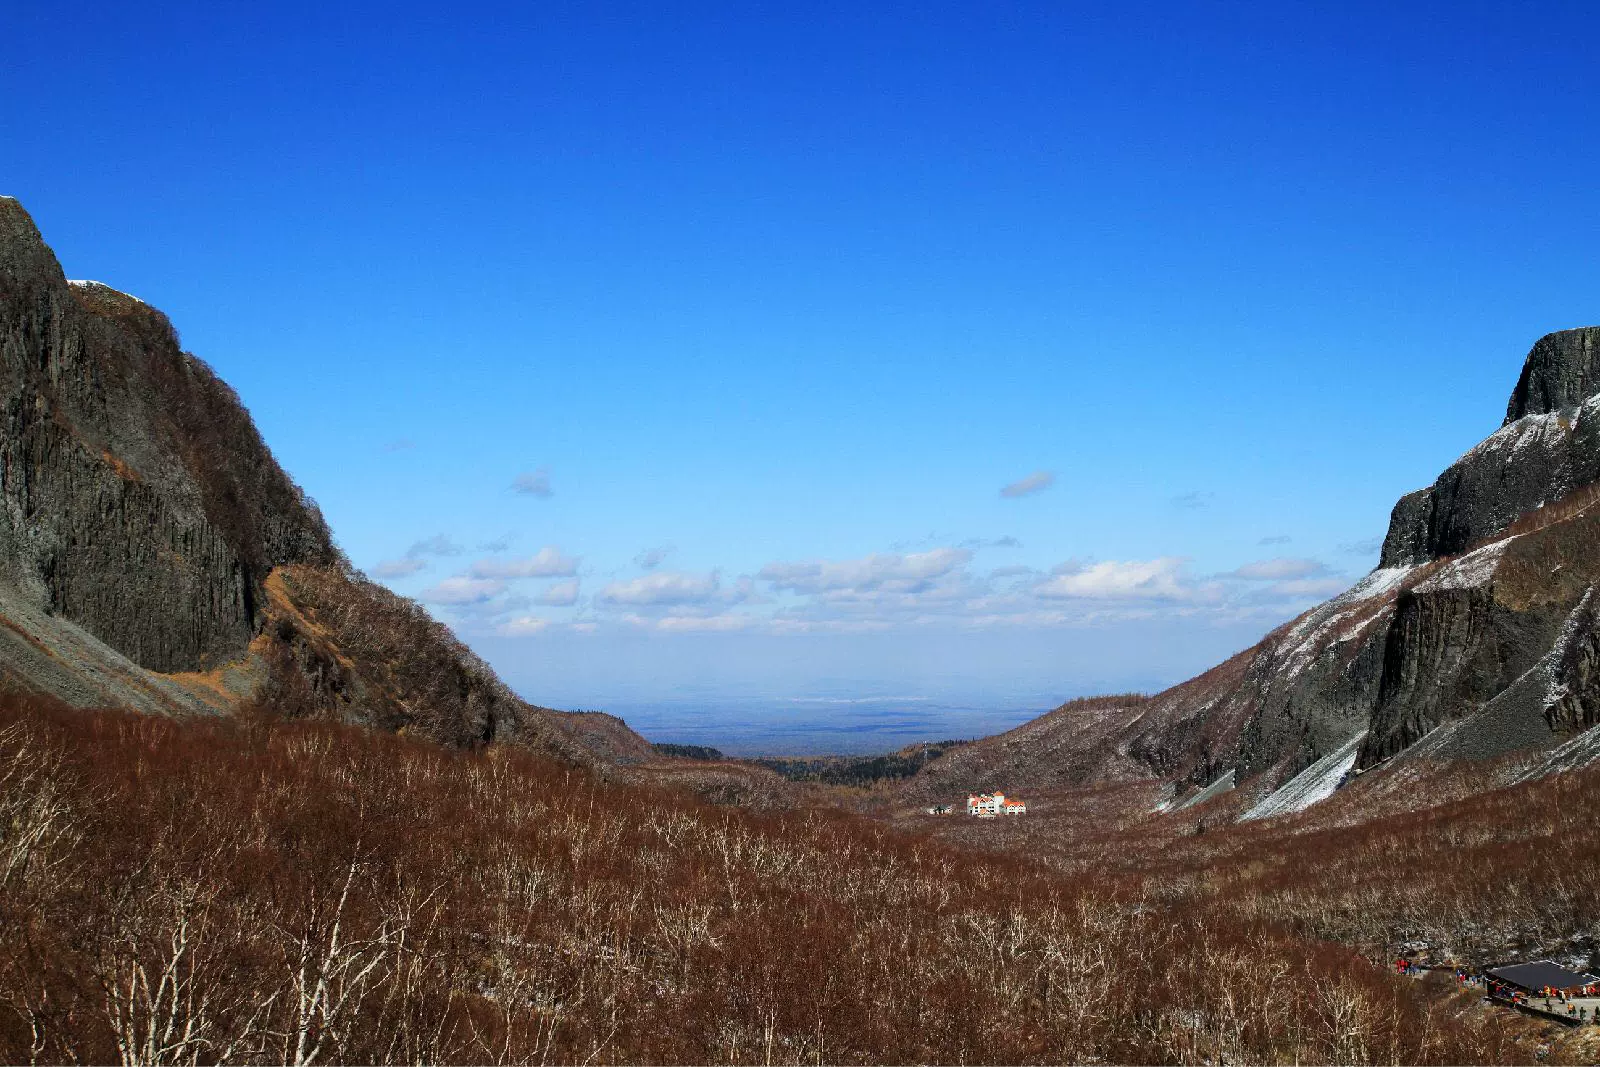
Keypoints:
(153, 554)
(1478, 636)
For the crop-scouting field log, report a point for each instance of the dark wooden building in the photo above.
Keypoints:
(1540, 979)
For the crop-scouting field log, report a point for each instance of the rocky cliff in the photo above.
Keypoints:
(1548, 446)
(136, 498)
(1478, 636)
(154, 555)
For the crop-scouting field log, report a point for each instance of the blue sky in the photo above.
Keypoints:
(689, 353)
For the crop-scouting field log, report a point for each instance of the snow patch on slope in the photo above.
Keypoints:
(1317, 782)
(1557, 690)
(1380, 581)
(1468, 571)
(1313, 645)
(1310, 637)
(1222, 785)
(1581, 751)
(1543, 430)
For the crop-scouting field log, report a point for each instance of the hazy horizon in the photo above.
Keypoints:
(813, 685)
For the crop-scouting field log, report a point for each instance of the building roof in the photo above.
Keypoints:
(1541, 974)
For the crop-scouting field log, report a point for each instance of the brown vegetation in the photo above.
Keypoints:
(345, 648)
(256, 890)
(1481, 879)
(1430, 857)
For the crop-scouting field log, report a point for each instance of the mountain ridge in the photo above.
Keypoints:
(154, 555)
(1481, 613)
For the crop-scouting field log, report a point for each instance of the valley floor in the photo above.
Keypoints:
(260, 891)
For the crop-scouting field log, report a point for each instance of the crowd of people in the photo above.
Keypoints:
(1554, 1001)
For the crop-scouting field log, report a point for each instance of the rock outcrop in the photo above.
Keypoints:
(154, 555)
(1548, 446)
(1561, 372)
(136, 497)
(1477, 636)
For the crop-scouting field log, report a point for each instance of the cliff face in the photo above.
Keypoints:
(154, 555)
(1548, 446)
(1477, 636)
(137, 499)
(1561, 372)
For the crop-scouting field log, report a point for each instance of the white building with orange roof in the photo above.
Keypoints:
(994, 805)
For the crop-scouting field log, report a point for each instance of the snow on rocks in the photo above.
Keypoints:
(1582, 751)
(91, 284)
(1468, 571)
(1318, 629)
(1313, 644)
(1544, 431)
(1317, 782)
(1557, 690)
(1382, 580)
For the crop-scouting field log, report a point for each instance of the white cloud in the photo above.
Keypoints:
(1320, 588)
(415, 558)
(548, 562)
(560, 595)
(533, 483)
(399, 568)
(651, 558)
(1155, 579)
(686, 624)
(1037, 482)
(437, 545)
(982, 542)
(525, 626)
(463, 590)
(891, 571)
(667, 587)
(800, 624)
(1277, 570)
(1362, 548)
(938, 588)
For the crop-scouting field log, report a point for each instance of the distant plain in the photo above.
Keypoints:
(815, 726)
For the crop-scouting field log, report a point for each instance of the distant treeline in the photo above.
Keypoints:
(859, 770)
(829, 770)
(688, 751)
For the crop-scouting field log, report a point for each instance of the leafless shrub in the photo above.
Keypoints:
(300, 892)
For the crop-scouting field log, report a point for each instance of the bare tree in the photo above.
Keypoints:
(330, 974)
(37, 824)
